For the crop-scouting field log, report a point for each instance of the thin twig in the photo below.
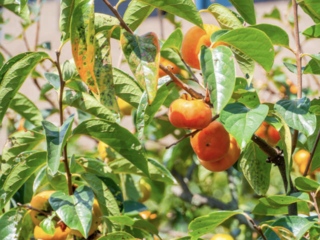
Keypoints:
(313, 195)
(161, 23)
(5, 50)
(190, 70)
(192, 133)
(312, 154)
(38, 27)
(26, 40)
(258, 228)
(34, 209)
(233, 189)
(298, 59)
(65, 155)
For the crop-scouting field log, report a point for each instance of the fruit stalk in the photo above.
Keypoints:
(312, 154)
(299, 70)
(65, 154)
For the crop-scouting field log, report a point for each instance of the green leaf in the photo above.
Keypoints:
(253, 43)
(297, 225)
(283, 200)
(218, 69)
(157, 171)
(66, 11)
(264, 208)
(246, 64)
(104, 22)
(48, 226)
(174, 41)
(313, 66)
(296, 114)
(26, 108)
(312, 32)
(126, 87)
(312, 8)
(15, 75)
(245, 95)
(275, 14)
(69, 71)
(83, 44)
(207, 223)
(145, 112)
(103, 72)
(242, 122)
(278, 232)
(136, 13)
(246, 9)
(76, 210)
(41, 180)
(118, 236)
(139, 223)
(45, 45)
(20, 8)
(224, 16)
(76, 85)
(104, 196)
(57, 181)
(56, 140)
(143, 56)
(17, 143)
(20, 174)
(88, 104)
(53, 79)
(185, 9)
(11, 223)
(94, 166)
(277, 35)
(255, 168)
(118, 138)
(315, 164)
(173, 57)
(2, 60)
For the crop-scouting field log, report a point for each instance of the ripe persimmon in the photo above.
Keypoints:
(189, 114)
(41, 202)
(227, 161)
(262, 130)
(96, 220)
(192, 42)
(273, 136)
(222, 236)
(211, 143)
(165, 62)
(59, 234)
(302, 156)
(293, 89)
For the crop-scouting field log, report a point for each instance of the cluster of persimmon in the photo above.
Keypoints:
(41, 202)
(268, 133)
(215, 148)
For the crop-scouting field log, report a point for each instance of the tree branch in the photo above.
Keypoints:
(65, 155)
(199, 200)
(298, 59)
(5, 50)
(312, 154)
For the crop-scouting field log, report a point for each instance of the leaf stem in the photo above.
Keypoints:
(191, 134)
(25, 40)
(65, 154)
(313, 195)
(299, 70)
(312, 154)
(38, 27)
(189, 69)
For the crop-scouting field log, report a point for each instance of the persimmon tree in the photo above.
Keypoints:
(218, 169)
